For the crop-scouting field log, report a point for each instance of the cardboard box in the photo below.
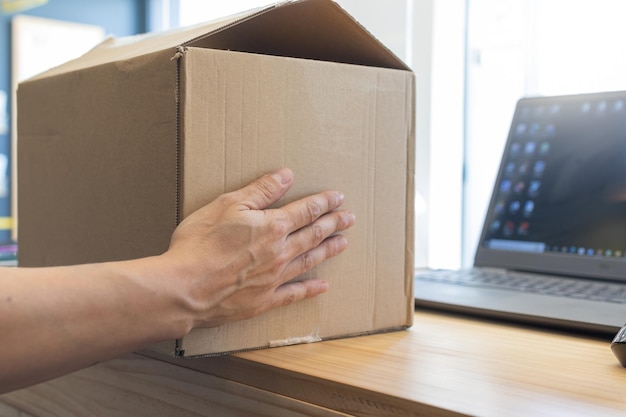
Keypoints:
(116, 147)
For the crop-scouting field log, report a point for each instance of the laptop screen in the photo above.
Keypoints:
(559, 201)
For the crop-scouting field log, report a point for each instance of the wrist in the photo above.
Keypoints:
(162, 302)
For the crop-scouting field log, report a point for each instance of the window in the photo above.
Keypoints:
(526, 48)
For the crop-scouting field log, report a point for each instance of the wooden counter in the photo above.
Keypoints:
(445, 365)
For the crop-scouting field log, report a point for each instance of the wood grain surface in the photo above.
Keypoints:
(445, 365)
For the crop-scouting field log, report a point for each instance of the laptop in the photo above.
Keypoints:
(553, 244)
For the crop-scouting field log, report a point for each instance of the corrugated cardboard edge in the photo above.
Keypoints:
(410, 207)
(180, 353)
(169, 349)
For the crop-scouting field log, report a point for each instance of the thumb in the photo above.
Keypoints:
(266, 190)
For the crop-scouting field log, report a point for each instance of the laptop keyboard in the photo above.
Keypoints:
(533, 283)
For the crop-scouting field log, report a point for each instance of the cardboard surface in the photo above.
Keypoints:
(118, 147)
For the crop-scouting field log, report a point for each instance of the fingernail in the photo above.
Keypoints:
(323, 286)
(342, 243)
(283, 176)
(278, 178)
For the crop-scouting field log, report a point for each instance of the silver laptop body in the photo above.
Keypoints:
(553, 244)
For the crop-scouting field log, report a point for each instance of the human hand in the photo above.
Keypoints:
(235, 257)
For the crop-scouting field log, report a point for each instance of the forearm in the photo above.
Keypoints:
(230, 260)
(57, 320)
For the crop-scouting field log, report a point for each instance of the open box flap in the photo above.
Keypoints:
(309, 29)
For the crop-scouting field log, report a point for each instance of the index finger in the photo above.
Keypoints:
(305, 211)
